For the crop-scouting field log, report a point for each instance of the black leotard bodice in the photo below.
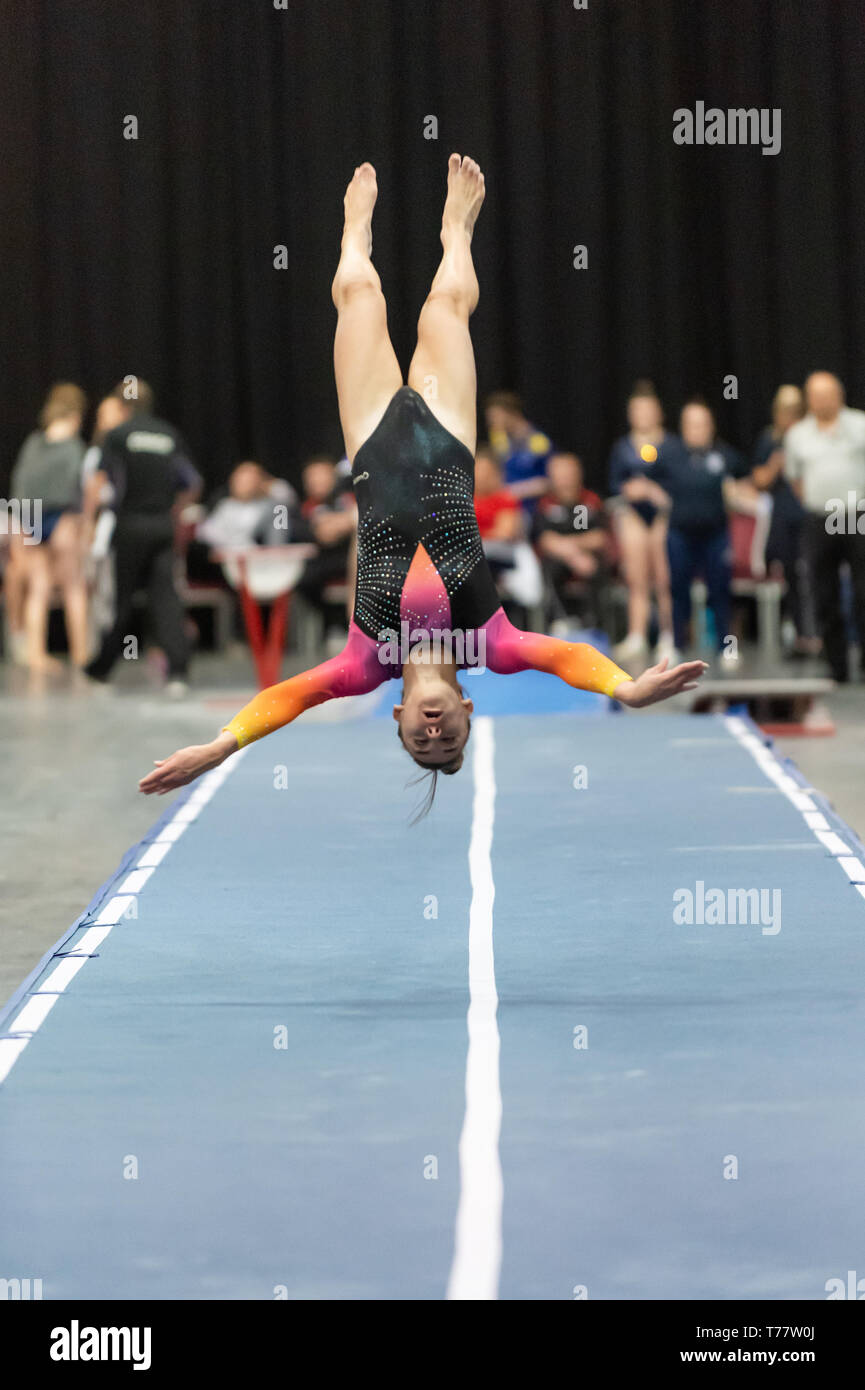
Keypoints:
(414, 483)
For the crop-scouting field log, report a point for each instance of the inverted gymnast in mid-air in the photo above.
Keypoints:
(420, 561)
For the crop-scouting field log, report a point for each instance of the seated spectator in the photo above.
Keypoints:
(500, 521)
(328, 517)
(47, 474)
(258, 510)
(640, 515)
(521, 449)
(698, 483)
(569, 530)
(497, 510)
(784, 545)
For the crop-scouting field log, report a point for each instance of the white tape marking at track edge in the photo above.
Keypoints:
(134, 882)
(34, 1013)
(154, 854)
(853, 868)
(92, 939)
(170, 832)
(41, 1000)
(478, 1246)
(61, 975)
(789, 787)
(832, 842)
(115, 910)
(10, 1051)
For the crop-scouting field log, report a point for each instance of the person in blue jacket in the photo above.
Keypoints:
(697, 480)
(522, 450)
(637, 463)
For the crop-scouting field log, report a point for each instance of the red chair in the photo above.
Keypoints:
(195, 593)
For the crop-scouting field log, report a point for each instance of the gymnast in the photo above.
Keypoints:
(420, 562)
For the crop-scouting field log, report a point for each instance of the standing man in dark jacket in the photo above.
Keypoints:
(146, 464)
(698, 541)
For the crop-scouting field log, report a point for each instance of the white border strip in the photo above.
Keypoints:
(38, 1003)
(815, 821)
(478, 1247)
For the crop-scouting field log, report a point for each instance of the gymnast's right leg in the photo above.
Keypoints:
(443, 367)
(365, 365)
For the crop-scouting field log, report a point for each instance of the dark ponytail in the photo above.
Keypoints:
(431, 772)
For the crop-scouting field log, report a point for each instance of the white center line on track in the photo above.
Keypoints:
(477, 1257)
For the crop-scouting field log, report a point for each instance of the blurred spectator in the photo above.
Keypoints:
(110, 413)
(152, 479)
(636, 461)
(14, 572)
(498, 512)
(329, 519)
(48, 472)
(784, 544)
(521, 449)
(825, 462)
(512, 561)
(257, 510)
(699, 545)
(98, 494)
(570, 532)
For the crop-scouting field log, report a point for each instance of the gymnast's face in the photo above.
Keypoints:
(434, 723)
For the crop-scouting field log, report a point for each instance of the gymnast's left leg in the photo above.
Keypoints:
(443, 367)
(434, 714)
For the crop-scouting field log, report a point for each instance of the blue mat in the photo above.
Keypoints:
(326, 1166)
(527, 692)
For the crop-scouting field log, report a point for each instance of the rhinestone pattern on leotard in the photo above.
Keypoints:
(414, 483)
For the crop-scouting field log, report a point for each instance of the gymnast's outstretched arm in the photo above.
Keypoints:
(581, 665)
(354, 671)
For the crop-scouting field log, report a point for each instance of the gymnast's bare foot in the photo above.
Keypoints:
(465, 193)
(359, 202)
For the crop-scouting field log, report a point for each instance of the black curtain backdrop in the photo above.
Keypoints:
(156, 256)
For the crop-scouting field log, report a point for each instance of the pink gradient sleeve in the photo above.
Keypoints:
(577, 663)
(354, 671)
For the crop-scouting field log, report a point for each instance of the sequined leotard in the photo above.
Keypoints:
(420, 572)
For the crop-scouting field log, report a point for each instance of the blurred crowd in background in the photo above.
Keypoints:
(691, 545)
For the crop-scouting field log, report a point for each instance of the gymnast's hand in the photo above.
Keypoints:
(657, 683)
(187, 764)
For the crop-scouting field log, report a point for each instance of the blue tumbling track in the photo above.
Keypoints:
(257, 1083)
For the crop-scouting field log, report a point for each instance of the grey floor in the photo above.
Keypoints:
(71, 760)
(836, 766)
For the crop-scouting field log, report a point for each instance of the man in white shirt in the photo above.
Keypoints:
(824, 459)
(257, 511)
